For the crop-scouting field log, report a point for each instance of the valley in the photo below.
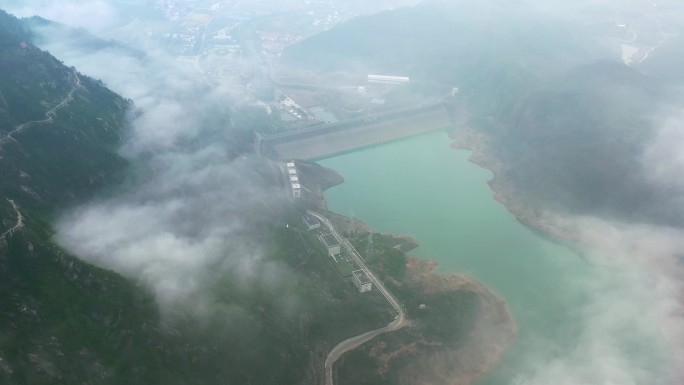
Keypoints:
(151, 227)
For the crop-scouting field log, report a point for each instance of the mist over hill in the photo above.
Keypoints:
(191, 268)
(665, 63)
(65, 320)
(577, 109)
(60, 129)
(445, 44)
(147, 243)
(570, 122)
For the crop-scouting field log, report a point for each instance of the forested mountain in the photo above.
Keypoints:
(65, 321)
(59, 129)
(575, 143)
(58, 137)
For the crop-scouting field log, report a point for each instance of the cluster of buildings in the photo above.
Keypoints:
(295, 186)
(361, 280)
(332, 245)
(311, 223)
(273, 43)
(294, 109)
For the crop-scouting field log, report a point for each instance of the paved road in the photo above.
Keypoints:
(20, 220)
(353, 342)
(49, 115)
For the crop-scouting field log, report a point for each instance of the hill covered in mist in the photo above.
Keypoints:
(571, 125)
(67, 321)
(192, 264)
(444, 44)
(63, 320)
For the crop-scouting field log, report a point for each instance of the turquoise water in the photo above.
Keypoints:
(423, 188)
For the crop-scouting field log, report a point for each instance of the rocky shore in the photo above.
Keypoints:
(494, 331)
(504, 192)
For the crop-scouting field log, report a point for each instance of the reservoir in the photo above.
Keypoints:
(422, 188)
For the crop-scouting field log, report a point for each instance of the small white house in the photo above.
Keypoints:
(361, 281)
(296, 190)
(330, 242)
(311, 222)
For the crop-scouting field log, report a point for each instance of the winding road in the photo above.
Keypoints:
(351, 343)
(20, 220)
(49, 115)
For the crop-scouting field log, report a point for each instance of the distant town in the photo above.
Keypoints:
(236, 46)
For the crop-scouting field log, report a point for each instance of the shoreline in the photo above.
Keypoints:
(481, 155)
(548, 224)
(494, 332)
(464, 364)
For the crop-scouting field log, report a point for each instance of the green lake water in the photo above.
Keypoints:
(423, 188)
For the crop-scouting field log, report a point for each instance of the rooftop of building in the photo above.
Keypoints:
(361, 276)
(310, 220)
(329, 240)
(388, 77)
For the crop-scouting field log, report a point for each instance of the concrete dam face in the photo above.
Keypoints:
(330, 139)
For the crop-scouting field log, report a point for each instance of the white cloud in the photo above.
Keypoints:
(94, 15)
(663, 158)
(631, 325)
(182, 228)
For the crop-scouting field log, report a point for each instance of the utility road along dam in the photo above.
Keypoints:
(329, 139)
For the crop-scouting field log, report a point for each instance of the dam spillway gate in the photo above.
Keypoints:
(334, 138)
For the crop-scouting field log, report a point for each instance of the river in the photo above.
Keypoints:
(423, 188)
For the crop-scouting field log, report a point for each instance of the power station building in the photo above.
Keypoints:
(294, 180)
(311, 222)
(388, 79)
(361, 281)
(330, 242)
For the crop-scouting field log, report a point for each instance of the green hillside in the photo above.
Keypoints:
(65, 321)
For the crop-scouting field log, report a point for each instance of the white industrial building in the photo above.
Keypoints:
(330, 242)
(361, 281)
(311, 222)
(294, 180)
(388, 79)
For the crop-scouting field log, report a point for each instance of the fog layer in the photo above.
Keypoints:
(183, 224)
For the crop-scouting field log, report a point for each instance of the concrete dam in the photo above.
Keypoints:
(334, 138)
